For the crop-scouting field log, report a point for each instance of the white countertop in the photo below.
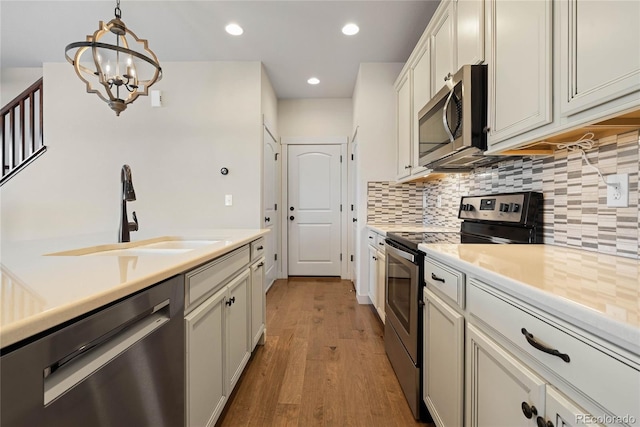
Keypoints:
(598, 293)
(40, 291)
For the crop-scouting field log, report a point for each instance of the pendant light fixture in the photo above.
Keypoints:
(118, 72)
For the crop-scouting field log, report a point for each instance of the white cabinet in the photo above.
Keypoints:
(403, 126)
(223, 322)
(377, 272)
(469, 32)
(443, 52)
(443, 379)
(421, 84)
(237, 328)
(501, 391)
(205, 384)
(599, 52)
(258, 303)
(519, 43)
(562, 412)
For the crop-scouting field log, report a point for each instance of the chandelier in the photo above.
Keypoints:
(119, 72)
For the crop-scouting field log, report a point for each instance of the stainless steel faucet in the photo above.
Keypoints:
(128, 195)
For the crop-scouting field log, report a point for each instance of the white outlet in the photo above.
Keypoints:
(618, 190)
(439, 201)
(228, 200)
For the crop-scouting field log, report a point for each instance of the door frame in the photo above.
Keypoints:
(315, 140)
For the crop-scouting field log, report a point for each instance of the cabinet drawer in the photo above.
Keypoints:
(372, 237)
(204, 280)
(446, 280)
(380, 242)
(612, 383)
(257, 248)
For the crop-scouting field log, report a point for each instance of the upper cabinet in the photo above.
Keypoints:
(443, 45)
(403, 126)
(470, 32)
(600, 52)
(519, 37)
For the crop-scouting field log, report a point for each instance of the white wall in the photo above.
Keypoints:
(374, 113)
(211, 118)
(315, 117)
(269, 102)
(13, 81)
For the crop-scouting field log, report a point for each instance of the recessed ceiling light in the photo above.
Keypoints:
(234, 29)
(350, 29)
(313, 81)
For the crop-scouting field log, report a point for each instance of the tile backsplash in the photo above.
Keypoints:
(575, 197)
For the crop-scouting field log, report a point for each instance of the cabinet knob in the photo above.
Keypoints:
(448, 77)
(292, 217)
(529, 411)
(542, 423)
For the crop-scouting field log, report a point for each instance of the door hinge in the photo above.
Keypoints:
(352, 157)
(275, 207)
(275, 257)
(351, 258)
(340, 207)
(276, 157)
(341, 158)
(351, 208)
(340, 257)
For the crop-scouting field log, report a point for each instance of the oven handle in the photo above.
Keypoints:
(401, 254)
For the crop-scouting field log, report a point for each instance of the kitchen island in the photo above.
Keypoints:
(40, 290)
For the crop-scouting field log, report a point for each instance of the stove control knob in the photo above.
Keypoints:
(467, 207)
(515, 207)
(504, 207)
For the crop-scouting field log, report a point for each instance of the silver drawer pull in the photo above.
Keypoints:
(436, 278)
(552, 351)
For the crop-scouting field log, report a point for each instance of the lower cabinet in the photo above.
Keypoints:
(443, 379)
(258, 303)
(501, 391)
(218, 348)
(377, 272)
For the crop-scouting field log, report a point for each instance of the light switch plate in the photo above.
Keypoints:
(618, 193)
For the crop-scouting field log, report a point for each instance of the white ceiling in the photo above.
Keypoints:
(294, 39)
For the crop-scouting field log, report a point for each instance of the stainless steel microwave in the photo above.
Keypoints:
(453, 124)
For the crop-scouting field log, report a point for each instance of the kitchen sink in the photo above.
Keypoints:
(157, 246)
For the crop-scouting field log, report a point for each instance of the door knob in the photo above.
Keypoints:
(292, 217)
(267, 219)
(291, 208)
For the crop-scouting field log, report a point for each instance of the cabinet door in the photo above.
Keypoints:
(403, 123)
(499, 386)
(205, 381)
(421, 75)
(381, 284)
(519, 47)
(443, 361)
(469, 32)
(562, 412)
(443, 46)
(599, 52)
(238, 332)
(258, 308)
(373, 275)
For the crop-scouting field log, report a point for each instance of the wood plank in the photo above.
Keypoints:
(323, 363)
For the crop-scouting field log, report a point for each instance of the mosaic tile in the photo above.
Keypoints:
(574, 212)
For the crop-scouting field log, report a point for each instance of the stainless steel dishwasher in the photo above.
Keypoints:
(122, 365)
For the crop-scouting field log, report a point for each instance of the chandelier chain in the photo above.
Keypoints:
(118, 12)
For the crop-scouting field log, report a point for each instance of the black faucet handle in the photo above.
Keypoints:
(133, 226)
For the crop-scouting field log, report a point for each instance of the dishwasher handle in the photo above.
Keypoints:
(74, 368)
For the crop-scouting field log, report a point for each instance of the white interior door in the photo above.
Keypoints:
(353, 210)
(271, 218)
(314, 194)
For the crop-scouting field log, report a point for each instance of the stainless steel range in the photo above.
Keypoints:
(497, 218)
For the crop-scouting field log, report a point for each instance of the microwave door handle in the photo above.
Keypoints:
(445, 121)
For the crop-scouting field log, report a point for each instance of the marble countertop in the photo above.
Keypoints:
(40, 290)
(599, 293)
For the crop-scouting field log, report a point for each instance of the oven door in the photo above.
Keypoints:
(401, 302)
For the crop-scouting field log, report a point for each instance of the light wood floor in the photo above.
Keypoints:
(323, 363)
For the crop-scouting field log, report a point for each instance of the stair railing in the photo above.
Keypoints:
(21, 131)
